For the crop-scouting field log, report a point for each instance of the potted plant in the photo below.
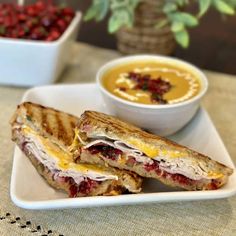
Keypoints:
(153, 26)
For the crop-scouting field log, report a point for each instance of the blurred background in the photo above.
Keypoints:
(212, 43)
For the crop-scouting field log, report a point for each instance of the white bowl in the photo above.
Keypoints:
(163, 120)
(31, 63)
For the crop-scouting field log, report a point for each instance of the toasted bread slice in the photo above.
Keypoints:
(108, 140)
(44, 135)
(58, 126)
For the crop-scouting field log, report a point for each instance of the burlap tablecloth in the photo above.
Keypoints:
(212, 217)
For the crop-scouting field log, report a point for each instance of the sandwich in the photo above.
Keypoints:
(107, 140)
(45, 135)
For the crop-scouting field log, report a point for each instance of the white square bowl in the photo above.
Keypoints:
(31, 63)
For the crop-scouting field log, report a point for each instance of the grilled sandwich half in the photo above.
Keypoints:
(109, 141)
(44, 135)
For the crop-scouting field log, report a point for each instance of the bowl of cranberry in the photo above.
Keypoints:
(35, 42)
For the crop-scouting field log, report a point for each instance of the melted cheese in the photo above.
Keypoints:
(214, 175)
(172, 154)
(158, 153)
(54, 151)
(75, 144)
(148, 149)
(154, 152)
(64, 159)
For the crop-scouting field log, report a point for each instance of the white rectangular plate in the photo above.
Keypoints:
(29, 190)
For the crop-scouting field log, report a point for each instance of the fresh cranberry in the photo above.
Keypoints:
(49, 39)
(52, 9)
(47, 21)
(21, 32)
(8, 21)
(68, 19)
(22, 17)
(39, 21)
(68, 11)
(19, 8)
(61, 24)
(55, 34)
(14, 34)
(38, 33)
(40, 6)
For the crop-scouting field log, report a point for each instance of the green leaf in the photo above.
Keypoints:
(118, 4)
(90, 14)
(223, 7)
(232, 3)
(113, 24)
(104, 9)
(134, 3)
(182, 37)
(181, 3)
(177, 26)
(162, 23)
(203, 7)
(98, 10)
(118, 19)
(185, 18)
(169, 7)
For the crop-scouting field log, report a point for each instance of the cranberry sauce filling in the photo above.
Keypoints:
(156, 86)
(113, 153)
(84, 188)
(181, 179)
(106, 151)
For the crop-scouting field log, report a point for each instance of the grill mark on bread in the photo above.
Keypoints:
(62, 134)
(119, 125)
(45, 124)
(45, 120)
(112, 125)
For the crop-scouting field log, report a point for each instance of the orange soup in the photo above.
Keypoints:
(151, 82)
